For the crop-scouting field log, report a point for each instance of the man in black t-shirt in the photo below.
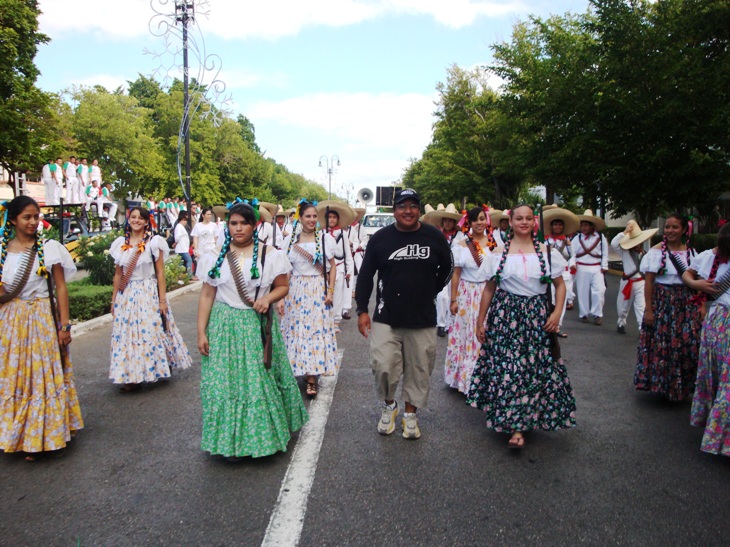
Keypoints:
(413, 262)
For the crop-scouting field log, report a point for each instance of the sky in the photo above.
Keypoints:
(347, 80)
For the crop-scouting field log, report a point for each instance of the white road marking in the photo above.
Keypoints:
(287, 519)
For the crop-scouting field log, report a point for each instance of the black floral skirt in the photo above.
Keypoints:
(516, 381)
(669, 349)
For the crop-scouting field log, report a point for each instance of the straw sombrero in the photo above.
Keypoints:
(435, 217)
(280, 212)
(360, 212)
(572, 224)
(597, 222)
(221, 211)
(427, 210)
(495, 215)
(346, 213)
(636, 235)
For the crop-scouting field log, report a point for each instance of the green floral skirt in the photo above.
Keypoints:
(247, 409)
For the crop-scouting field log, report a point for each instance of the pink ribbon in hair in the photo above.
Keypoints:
(462, 220)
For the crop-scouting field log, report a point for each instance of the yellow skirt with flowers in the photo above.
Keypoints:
(39, 408)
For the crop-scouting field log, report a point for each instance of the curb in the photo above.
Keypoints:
(82, 328)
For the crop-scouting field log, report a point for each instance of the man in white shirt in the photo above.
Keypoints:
(82, 173)
(57, 174)
(95, 171)
(338, 215)
(279, 228)
(92, 194)
(49, 183)
(358, 241)
(106, 199)
(629, 244)
(590, 250)
(558, 223)
(73, 185)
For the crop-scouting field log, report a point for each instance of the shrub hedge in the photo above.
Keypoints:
(88, 301)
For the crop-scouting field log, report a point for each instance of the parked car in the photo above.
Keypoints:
(375, 221)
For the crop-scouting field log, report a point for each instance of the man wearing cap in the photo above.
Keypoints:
(590, 250)
(629, 244)
(413, 262)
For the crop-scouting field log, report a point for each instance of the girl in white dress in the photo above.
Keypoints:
(146, 343)
(307, 323)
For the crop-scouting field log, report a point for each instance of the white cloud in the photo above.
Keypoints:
(233, 19)
(374, 135)
(362, 120)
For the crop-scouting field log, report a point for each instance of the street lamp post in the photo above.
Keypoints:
(330, 164)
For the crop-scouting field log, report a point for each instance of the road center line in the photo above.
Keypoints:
(287, 519)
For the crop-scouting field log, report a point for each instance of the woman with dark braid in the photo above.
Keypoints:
(146, 343)
(250, 405)
(39, 408)
(307, 323)
(467, 285)
(516, 381)
(670, 332)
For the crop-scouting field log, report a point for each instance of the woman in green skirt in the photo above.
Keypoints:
(251, 401)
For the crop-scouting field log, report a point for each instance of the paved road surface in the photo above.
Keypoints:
(631, 473)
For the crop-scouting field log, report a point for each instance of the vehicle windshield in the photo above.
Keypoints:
(378, 221)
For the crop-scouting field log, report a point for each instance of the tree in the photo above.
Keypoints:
(115, 130)
(463, 160)
(26, 114)
(665, 108)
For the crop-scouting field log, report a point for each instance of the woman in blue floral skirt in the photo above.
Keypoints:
(516, 381)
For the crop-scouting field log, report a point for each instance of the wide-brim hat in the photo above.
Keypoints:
(495, 215)
(280, 212)
(221, 211)
(346, 214)
(570, 219)
(598, 223)
(636, 235)
(360, 212)
(427, 210)
(444, 212)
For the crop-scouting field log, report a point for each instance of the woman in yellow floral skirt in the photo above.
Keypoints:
(39, 408)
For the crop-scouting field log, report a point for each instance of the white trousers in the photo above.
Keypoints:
(567, 278)
(353, 281)
(636, 298)
(338, 297)
(569, 294)
(73, 191)
(443, 303)
(590, 289)
(50, 185)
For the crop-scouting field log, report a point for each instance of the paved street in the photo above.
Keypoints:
(631, 473)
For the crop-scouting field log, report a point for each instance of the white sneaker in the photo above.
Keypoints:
(410, 426)
(386, 425)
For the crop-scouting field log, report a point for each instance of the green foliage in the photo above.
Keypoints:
(88, 301)
(466, 156)
(94, 257)
(26, 115)
(176, 275)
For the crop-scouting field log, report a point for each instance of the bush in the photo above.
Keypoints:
(88, 301)
(176, 275)
(94, 257)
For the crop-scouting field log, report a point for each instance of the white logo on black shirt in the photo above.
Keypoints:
(411, 252)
